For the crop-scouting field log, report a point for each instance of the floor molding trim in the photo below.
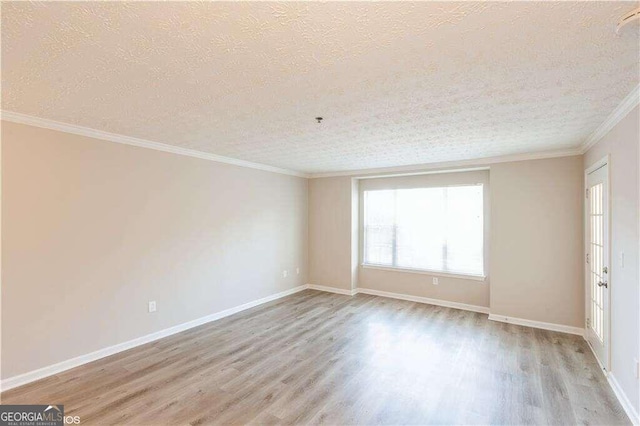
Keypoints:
(622, 397)
(604, 370)
(41, 373)
(628, 103)
(538, 324)
(428, 301)
(617, 390)
(332, 289)
(16, 117)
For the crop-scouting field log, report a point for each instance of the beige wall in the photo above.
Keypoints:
(621, 143)
(330, 232)
(93, 230)
(537, 240)
(450, 289)
(535, 256)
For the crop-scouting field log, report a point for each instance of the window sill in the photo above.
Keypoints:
(425, 272)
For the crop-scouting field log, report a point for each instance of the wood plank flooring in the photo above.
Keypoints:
(315, 357)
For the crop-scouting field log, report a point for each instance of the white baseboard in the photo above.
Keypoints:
(615, 386)
(332, 289)
(41, 373)
(538, 324)
(617, 389)
(50, 370)
(419, 299)
(622, 397)
(602, 367)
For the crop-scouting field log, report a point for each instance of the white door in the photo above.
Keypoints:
(597, 277)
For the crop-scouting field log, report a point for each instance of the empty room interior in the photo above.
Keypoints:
(341, 213)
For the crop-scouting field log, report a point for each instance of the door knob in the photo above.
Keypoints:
(603, 284)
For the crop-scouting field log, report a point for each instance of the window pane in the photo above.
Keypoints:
(437, 229)
(379, 225)
(421, 236)
(465, 229)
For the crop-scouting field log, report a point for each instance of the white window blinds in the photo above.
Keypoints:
(434, 229)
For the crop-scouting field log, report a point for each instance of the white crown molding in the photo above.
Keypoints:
(50, 370)
(418, 168)
(538, 324)
(621, 111)
(426, 172)
(44, 123)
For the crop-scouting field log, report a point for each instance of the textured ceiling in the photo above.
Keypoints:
(397, 83)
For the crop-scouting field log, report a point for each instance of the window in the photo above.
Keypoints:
(434, 229)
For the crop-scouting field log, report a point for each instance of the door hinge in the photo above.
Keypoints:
(588, 322)
(587, 257)
(587, 193)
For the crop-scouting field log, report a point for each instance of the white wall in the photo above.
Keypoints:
(93, 230)
(622, 144)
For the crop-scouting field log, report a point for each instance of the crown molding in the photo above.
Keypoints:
(44, 123)
(628, 103)
(472, 163)
(621, 111)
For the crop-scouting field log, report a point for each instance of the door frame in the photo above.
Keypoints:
(604, 161)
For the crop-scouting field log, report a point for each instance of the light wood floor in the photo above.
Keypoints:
(324, 358)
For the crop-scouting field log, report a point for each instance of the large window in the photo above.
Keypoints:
(434, 229)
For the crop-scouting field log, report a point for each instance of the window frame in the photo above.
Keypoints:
(440, 273)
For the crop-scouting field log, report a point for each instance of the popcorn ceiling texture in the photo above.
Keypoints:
(397, 83)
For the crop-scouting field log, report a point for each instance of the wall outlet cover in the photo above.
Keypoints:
(152, 306)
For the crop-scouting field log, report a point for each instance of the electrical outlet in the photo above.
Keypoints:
(622, 259)
(152, 306)
(297, 271)
(285, 274)
(435, 281)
